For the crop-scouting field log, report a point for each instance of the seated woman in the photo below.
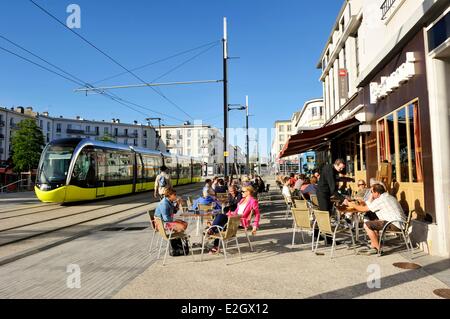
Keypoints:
(167, 208)
(246, 206)
(287, 190)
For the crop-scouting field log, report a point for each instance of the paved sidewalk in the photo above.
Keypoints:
(275, 270)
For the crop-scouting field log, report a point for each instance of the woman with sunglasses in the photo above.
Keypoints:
(246, 206)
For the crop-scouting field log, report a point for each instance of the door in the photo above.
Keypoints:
(101, 172)
(140, 176)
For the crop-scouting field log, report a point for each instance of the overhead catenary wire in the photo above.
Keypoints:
(72, 78)
(157, 61)
(109, 57)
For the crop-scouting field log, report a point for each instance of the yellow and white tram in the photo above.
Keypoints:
(77, 169)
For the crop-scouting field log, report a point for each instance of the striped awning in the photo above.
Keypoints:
(312, 140)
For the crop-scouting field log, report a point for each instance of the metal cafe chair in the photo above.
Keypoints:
(168, 237)
(229, 234)
(151, 214)
(302, 221)
(387, 229)
(326, 228)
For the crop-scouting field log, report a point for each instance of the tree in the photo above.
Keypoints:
(27, 144)
(106, 138)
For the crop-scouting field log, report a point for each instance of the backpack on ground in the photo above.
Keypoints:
(177, 245)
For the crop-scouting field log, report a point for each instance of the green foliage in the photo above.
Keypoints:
(106, 138)
(27, 145)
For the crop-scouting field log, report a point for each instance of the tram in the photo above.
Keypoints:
(77, 169)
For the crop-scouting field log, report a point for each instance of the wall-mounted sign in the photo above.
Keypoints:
(343, 84)
(389, 83)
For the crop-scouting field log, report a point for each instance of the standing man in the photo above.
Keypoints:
(327, 185)
(162, 183)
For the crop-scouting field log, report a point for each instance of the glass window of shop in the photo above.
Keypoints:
(399, 143)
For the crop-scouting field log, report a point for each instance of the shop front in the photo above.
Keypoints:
(399, 146)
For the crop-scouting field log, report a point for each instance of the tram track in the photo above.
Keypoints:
(28, 207)
(56, 211)
(21, 240)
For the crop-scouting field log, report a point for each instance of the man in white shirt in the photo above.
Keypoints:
(387, 209)
(162, 183)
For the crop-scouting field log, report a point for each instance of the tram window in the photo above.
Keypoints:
(126, 166)
(113, 163)
(102, 165)
(55, 164)
(84, 172)
(140, 167)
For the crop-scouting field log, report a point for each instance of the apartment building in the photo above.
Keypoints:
(282, 133)
(135, 134)
(201, 141)
(311, 116)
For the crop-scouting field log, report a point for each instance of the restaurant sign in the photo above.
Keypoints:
(389, 83)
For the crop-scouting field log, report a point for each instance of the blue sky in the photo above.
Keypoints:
(278, 44)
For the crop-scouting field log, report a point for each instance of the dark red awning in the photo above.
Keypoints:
(310, 140)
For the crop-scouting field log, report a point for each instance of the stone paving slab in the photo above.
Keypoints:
(108, 260)
(276, 270)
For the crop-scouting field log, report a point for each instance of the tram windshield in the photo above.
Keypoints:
(55, 164)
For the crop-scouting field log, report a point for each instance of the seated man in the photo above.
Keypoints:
(387, 208)
(208, 200)
(207, 189)
(166, 209)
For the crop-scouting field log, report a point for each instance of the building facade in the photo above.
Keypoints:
(386, 65)
(138, 135)
(282, 133)
(310, 117)
(201, 141)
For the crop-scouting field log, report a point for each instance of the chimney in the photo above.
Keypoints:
(20, 109)
(45, 113)
(60, 117)
(78, 117)
(135, 122)
(113, 120)
(118, 121)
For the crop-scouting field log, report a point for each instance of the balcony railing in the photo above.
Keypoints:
(94, 133)
(131, 135)
(74, 131)
(386, 8)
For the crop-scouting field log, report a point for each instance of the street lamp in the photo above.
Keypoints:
(158, 134)
(241, 107)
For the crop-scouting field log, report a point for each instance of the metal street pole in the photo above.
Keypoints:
(158, 134)
(225, 95)
(247, 164)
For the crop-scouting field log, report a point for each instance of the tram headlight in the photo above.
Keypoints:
(45, 187)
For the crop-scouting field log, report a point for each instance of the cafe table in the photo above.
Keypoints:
(199, 216)
(344, 209)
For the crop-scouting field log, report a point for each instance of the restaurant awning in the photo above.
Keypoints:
(310, 140)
